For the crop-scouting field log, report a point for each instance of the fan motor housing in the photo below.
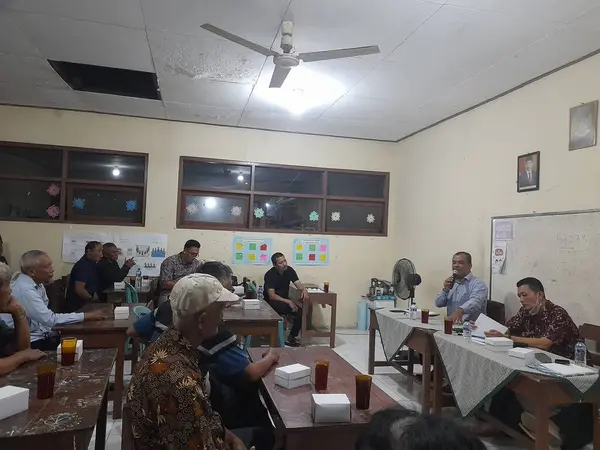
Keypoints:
(286, 60)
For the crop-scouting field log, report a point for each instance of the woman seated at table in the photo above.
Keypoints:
(233, 378)
(14, 344)
(543, 325)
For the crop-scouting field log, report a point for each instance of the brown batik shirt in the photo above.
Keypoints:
(552, 322)
(173, 268)
(169, 403)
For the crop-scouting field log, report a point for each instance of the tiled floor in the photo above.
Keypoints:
(352, 345)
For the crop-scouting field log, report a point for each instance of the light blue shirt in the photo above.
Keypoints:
(34, 299)
(470, 294)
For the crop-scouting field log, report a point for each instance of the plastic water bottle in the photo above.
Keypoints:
(581, 352)
(467, 334)
(260, 293)
(138, 279)
(413, 312)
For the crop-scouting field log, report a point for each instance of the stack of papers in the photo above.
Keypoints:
(484, 323)
(570, 370)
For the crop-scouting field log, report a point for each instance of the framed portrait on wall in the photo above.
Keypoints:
(583, 125)
(528, 172)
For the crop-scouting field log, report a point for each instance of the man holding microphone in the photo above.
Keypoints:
(463, 295)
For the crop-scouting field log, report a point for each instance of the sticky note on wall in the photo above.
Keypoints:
(299, 247)
(323, 248)
(251, 257)
(253, 246)
(239, 256)
(299, 256)
(323, 257)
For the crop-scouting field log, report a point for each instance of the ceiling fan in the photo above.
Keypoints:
(285, 61)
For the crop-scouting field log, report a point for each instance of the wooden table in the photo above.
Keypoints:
(67, 420)
(316, 298)
(292, 408)
(420, 341)
(107, 333)
(254, 322)
(117, 296)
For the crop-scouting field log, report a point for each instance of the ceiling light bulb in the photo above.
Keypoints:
(210, 203)
(240, 177)
(267, 204)
(116, 172)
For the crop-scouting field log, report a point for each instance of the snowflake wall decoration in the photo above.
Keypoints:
(335, 216)
(192, 209)
(371, 218)
(79, 203)
(259, 213)
(53, 211)
(131, 205)
(236, 211)
(53, 190)
(313, 216)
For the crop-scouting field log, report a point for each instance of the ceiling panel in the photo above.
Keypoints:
(28, 71)
(320, 25)
(118, 12)
(115, 104)
(178, 89)
(356, 108)
(257, 21)
(545, 10)
(88, 42)
(204, 58)
(13, 38)
(31, 95)
(364, 130)
(202, 114)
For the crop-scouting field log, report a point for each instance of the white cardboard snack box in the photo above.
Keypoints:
(292, 376)
(520, 352)
(119, 286)
(330, 408)
(499, 342)
(78, 351)
(251, 304)
(13, 400)
(122, 313)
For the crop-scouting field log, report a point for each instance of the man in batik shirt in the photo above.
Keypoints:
(543, 325)
(168, 395)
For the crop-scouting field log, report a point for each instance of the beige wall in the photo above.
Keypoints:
(354, 259)
(461, 173)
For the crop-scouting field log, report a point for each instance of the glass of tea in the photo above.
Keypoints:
(321, 375)
(326, 287)
(448, 324)
(46, 375)
(363, 391)
(424, 316)
(68, 347)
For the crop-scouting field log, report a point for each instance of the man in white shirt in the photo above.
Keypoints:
(28, 288)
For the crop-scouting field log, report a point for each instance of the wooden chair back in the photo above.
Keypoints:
(127, 442)
(496, 311)
(591, 332)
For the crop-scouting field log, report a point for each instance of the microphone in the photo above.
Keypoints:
(454, 273)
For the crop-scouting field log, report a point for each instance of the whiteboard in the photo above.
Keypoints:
(562, 250)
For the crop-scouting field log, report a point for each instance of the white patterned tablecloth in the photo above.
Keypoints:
(476, 373)
(395, 328)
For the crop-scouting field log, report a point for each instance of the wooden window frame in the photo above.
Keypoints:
(67, 184)
(323, 197)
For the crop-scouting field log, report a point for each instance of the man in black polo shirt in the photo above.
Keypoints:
(277, 294)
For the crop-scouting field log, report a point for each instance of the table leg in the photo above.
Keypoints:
(372, 333)
(542, 422)
(274, 336)
(437, 384)
(332, 326)
(410, 367)
(303, 337)
(135, 350)
(101, 423)
(426, 385)
(119, 369)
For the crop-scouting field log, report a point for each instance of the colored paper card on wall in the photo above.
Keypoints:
(299, 256)
(299, 247)
(312, 247)
(323, 248)
(310, 251)
(322, 257)
(251, 250)
(312, 257)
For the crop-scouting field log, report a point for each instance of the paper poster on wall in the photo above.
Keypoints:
(499, 257)
(310, 252)
(504, 230)
(74, 242)
(250, 250)
(147, 250)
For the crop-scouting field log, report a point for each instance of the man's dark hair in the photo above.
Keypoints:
(192, 243)
(92, 245)
(109, 246)
(466, 255)
(534, 284)
(402, 429)
(217, 269)
(275, 257)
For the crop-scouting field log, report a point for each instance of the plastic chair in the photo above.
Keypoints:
(141, 311)
(248, 339)
(131, 295)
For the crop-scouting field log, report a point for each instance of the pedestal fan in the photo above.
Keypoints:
(404, 280)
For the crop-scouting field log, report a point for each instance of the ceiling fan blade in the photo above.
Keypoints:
(341, 53)
(239, 40)
(279, 76)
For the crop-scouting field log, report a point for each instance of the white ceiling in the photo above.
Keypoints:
(437, 58)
